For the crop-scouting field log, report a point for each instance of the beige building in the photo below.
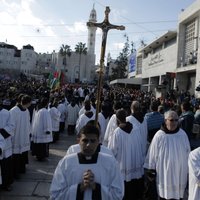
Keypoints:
(172, 61)
(15, 61)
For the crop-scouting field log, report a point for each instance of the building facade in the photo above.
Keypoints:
(171, 62)
(29, 62)
(70, 64)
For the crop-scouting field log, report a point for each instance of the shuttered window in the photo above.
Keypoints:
(189, 40)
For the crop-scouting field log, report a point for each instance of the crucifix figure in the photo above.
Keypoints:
(105, 26)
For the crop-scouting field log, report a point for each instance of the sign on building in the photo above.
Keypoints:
(132, 62)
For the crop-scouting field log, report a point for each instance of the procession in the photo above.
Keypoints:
(145, 135)
(123, 129)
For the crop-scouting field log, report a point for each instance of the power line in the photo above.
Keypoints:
(137, 23)
(84, 35)
(66, 24)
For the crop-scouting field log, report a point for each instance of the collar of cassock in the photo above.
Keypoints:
(21, 108)
(164, 128)
(87, 159)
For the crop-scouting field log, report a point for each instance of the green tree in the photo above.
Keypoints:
(80, 48)
(64, 51)
(121, 62)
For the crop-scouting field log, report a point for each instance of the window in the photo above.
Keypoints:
(189, 40)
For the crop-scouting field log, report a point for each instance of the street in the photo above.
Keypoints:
(36, 182)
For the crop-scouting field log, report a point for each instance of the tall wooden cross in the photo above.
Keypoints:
(105, 26)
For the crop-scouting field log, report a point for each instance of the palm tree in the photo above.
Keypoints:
(64, 51)
(80, 48)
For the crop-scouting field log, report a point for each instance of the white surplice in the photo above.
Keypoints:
(22, 130)
(82, 121)
(69, 174)
(194, 174)
(103, 125)
(168, 155)
(72, 114)
(111, 126)
(55, 118)
(143, 131)
(7, 124)
(41, 124)
(2, 146)
(127, 149)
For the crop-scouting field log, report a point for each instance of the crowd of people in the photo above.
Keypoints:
(141, 147)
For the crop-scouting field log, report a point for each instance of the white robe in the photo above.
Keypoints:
(103, 125)
(2, 146)
(194, 174)
(127, 149)
(72, 114)
(75, 148)
(82, 110)
(63, 110)
(82, 121)
(55, 118)
(41, 123)
(143, 131)
(22, 130)
(7, 123)
(111, 126)
(168, 155)
(69, 173)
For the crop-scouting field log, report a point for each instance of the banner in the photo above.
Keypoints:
(132, 62)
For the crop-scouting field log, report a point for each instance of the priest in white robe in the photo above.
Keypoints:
(84, 118)
(72, 116)
(2, 146)
(126, 145)
(167, 156)
(138, 120)
(21, 134)
(82, 110)
(55, 119)
(103, 119)
(87, 175)
(112, 124)
(6, 165)
(41, 131)
(63, 110)
(194, 174)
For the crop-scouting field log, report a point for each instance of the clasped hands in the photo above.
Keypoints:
(88, 181)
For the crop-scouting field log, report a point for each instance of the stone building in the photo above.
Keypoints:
(29, 62)
(78, 65)
(14, 61)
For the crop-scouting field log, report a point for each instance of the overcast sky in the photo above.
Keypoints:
(47, 24)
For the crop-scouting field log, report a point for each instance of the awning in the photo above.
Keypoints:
(131, 81)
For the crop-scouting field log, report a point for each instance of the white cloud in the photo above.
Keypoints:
(77, 27)
(20, 25)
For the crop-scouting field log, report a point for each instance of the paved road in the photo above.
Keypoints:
(36, 182)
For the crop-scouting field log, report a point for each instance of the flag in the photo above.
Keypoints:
(55, 82)
(58, 81)
(50, 79)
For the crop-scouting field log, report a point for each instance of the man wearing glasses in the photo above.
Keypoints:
(166, 160)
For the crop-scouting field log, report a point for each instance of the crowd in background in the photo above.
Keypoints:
(32, 115)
